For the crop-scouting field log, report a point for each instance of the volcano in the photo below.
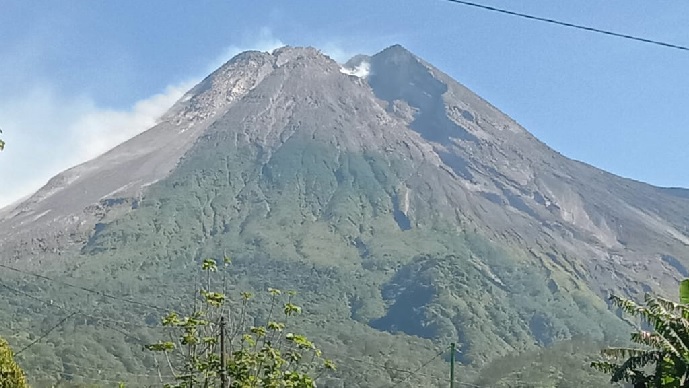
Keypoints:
(407, 212)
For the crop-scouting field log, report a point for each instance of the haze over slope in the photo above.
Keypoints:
(392, 197)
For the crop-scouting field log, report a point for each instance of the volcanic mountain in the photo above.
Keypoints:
(406, 210)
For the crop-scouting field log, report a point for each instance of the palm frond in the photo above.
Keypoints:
(604, 366)
(655, 341)
(666, 346)
(661, 314)
(630, 368)
(628, 306)
(619, 353)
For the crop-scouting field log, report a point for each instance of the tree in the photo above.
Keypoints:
(261, 354)
(663, 359)
(11, 375)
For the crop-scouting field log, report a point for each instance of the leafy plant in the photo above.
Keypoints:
(258, 355)
(663, 359)
(11, 375)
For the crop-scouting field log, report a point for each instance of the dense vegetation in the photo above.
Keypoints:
(382, 294)
(563, 365)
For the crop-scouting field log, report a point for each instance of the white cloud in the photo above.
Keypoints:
(47, 132)
(362, 70)
(336, 52)
(264, 41)
(98, 131)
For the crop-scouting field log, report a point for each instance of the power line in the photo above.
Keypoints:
(412, 373)
(52, 303)
(75, 312)
(94, 379)
(78, 312)
(84, 288)
(100, 370)
(390, 368)
(566, 24)
(468, 384)
(46, 333)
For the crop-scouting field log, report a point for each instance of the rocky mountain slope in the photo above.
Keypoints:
(417, 209)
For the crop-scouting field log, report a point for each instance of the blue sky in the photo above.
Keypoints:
(78, 77)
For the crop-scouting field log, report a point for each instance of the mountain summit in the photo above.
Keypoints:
(392, 197)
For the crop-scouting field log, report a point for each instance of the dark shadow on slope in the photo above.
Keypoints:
(398, 317)
(458, 164)
(396, 74)
(676, 264)
(400, 217)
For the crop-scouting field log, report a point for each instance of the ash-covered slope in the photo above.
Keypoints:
(71, 203)
(620, 230)
(392, 197)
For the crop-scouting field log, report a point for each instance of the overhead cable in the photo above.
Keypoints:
(571, 25)
(412, 373)
(103, 294)
(37, 340)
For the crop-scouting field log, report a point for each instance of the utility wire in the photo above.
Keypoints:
(84, 288)
(412, 373)
(389, 368)
(566, 24)
(468, 384)
(101, 370)
(102, 319)
(93, 379)
(73, 313)
(45, 334)
(52, 303)
(76, 312)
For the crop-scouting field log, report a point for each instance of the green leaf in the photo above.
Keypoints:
(160, 347)
(329, 364)
(209, 265)
(259, 331)
(291, 309)
(172, 319)
(684, 291)
(215, 299)
(276, 326)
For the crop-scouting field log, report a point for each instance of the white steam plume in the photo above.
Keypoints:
(47, 132)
